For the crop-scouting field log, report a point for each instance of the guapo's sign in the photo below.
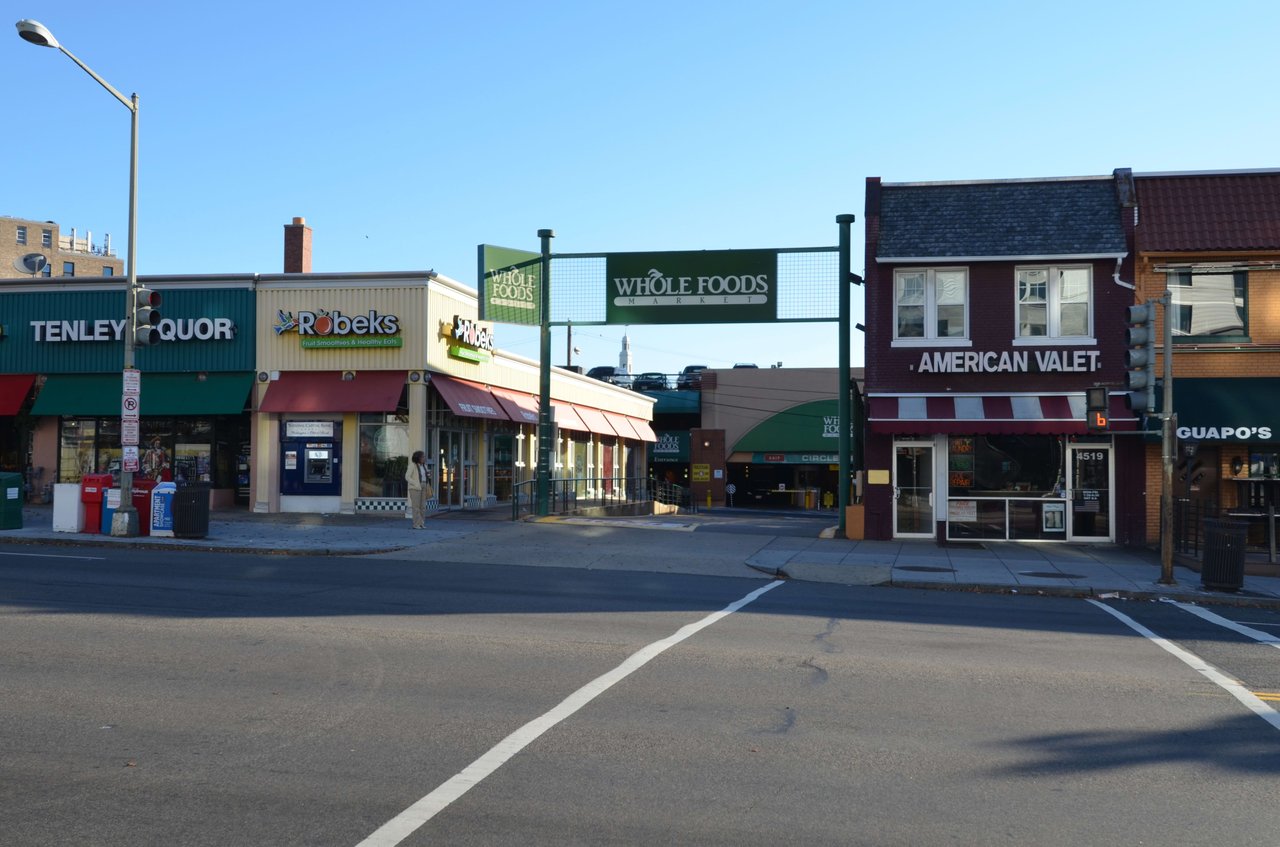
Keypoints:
(692, 287)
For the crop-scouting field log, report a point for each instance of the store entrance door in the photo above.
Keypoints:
(913, 489)
(1089, 492)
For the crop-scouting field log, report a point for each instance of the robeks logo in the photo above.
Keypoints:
(335, 323)
(322, 328)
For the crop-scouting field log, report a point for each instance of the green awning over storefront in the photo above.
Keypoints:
(676, 402)
(1209, 407)
(809, 428)
(163, 395)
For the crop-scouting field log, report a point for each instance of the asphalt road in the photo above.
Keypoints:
(159, 698)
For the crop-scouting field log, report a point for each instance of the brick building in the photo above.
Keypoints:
(1213, 239)
(73, 254)
(992, 309)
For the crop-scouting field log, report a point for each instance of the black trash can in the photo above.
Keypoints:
(1222, 568)
(191, 512)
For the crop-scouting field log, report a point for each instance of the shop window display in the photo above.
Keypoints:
(384, 454)
(1006, 486)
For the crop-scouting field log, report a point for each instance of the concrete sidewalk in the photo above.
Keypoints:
(684, 544)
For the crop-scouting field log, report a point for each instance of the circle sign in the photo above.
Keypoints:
(731, 489)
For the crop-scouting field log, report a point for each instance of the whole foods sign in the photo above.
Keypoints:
(323, 328)
(692, 287)
(510, 285)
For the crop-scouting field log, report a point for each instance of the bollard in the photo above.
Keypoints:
(708, 498)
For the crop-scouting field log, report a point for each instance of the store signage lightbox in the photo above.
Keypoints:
(692, 287)
(323, 328)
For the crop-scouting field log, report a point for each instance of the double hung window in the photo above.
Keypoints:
(1210, 307)
(1054, 303)
(931, 304)
(22, 235)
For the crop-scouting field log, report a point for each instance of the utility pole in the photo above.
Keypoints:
(1168, 446)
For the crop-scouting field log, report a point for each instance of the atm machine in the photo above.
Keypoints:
(311, 458)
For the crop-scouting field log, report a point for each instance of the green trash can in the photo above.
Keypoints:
(12, 487)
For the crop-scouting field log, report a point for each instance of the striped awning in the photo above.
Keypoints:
(982, 414)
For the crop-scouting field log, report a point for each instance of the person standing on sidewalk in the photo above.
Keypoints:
(420, 490)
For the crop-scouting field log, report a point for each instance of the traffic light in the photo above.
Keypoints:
(1096, 410)
(146, 316)
(1140, 358)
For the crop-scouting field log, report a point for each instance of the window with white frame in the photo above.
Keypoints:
(46, 238)
(931, 304)
(22, 235)
(1054, 302)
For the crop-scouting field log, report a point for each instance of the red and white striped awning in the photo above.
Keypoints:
(986, 414)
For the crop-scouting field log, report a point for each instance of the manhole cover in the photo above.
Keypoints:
(1051, 575)
(923, 569)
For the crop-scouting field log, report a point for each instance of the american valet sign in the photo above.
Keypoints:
(692, 287)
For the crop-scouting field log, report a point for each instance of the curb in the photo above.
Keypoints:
(198, 547)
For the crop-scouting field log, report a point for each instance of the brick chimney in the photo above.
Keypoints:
(297, 247)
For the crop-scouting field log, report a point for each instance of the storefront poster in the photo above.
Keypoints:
(1053, 517)
(962, 511)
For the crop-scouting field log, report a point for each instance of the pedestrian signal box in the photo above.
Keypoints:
(1096, 410)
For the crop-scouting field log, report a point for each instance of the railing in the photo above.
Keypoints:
(576, 493)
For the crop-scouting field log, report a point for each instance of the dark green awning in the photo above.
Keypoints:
(1211, 406)
(163, 395)
(676, 402)
(808, 427)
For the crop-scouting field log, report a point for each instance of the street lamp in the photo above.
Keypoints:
(125, 521)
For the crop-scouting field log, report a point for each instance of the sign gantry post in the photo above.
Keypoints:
(544, 379)
(844, 378)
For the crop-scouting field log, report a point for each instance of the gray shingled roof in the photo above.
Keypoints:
(1015, 218)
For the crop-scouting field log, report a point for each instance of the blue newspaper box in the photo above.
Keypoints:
(110, 502)
(162, 509)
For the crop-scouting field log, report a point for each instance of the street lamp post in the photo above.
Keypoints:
(125, 521)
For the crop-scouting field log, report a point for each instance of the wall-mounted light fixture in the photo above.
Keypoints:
(263, 376)
(347, 376)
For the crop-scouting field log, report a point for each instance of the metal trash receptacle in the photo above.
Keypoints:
(191, 511)
(1222, 568)
(12, 487)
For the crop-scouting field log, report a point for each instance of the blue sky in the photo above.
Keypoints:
(408, 133)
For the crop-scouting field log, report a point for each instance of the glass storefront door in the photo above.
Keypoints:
(1089, 492)
(913, 490)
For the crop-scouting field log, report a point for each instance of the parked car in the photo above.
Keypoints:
(690, 377)
(650, 381)
(610, 374)
(745, 365)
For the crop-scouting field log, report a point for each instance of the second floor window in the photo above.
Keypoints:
(931, 304)
(22, 235)
(1054, 303)
(107, 270)
(68, 268)
(46, 238)
(1210, 306)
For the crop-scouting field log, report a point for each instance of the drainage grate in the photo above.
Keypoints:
(923, 569)
(1051, 575)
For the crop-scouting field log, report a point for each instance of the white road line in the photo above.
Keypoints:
(1248, 632)
(53, 556)
(402, 825)
(1231, 686)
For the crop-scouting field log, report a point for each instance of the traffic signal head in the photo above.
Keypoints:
(1096, 409)
(146, 316)
(1140, 359)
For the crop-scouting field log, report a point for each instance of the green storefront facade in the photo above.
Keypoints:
(61, 359)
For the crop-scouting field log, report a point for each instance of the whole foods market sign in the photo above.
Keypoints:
(510, 285)
(692, 287)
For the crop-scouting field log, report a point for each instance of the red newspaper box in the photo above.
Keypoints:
(142, 503)
(93, 490)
